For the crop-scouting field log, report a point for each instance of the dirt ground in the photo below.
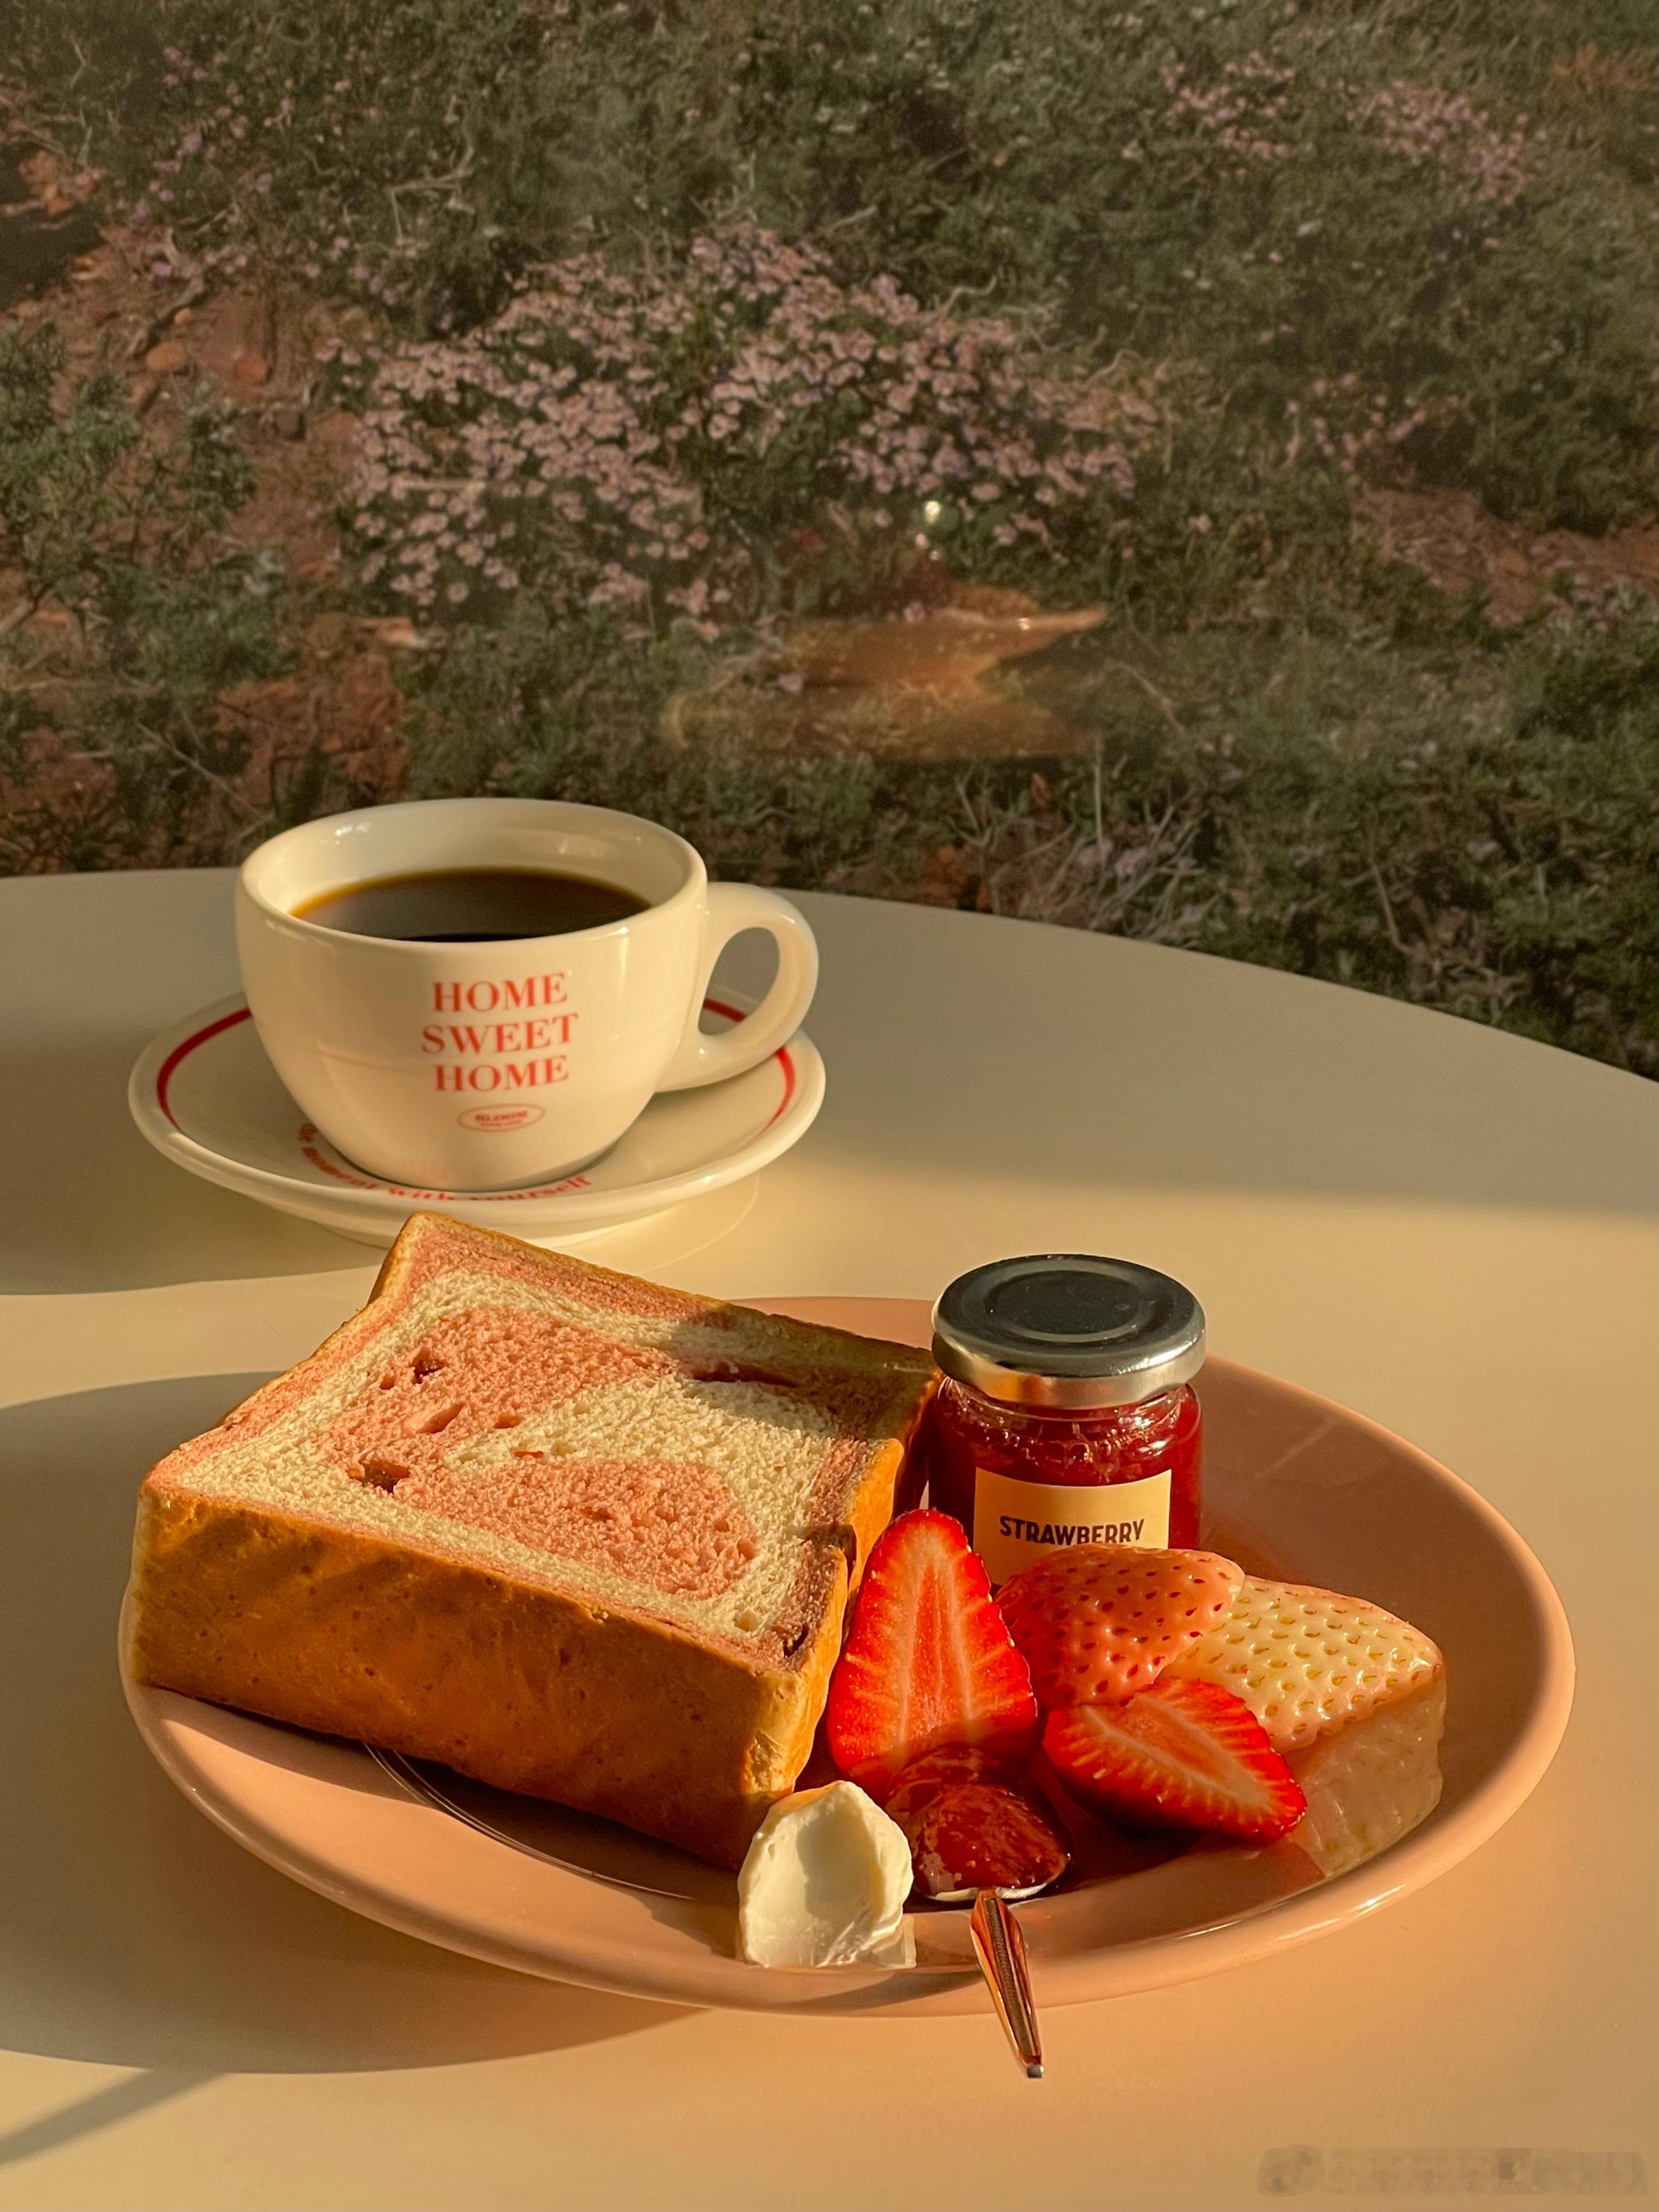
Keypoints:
(118, 299)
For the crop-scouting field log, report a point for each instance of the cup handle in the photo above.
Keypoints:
(733, 908)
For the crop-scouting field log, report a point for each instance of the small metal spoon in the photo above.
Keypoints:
(999, 1947)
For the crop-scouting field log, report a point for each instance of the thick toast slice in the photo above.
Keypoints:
(567, 1531)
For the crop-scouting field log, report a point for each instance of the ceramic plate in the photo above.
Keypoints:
(206, 1097)
(1296, 1486)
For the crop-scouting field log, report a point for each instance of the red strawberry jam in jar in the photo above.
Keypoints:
(1067, 1414)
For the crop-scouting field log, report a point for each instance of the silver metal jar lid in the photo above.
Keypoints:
(1067, 1331)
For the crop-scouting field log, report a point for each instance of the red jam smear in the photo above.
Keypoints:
(1116, 1443)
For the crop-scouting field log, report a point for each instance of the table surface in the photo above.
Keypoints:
(1451, 1229)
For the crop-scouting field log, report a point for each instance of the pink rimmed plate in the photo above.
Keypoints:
(1295, 1486)
(205, 1096)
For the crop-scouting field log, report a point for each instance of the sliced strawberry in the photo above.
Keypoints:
(928, 1662)
(1101, 1621)
(1180, 1755)
(983, 1835)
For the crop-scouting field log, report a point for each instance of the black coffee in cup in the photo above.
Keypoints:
(470, 906)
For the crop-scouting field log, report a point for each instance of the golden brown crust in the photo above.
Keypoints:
(528, 1689)
(812, 1665)
(522, 1684)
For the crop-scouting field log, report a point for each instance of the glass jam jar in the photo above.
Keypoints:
(1067, 1414)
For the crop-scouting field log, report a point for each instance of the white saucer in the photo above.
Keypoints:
(206, 1097)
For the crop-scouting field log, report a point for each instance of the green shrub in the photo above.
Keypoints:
(117, 532)
(1480, 834)
(1295, 199)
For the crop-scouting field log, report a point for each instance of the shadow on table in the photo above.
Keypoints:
(85, 1205)
(136, 1934)
(100, 2108)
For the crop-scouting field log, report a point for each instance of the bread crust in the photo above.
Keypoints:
(522, 1684)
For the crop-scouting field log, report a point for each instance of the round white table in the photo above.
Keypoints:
(1450, 1229)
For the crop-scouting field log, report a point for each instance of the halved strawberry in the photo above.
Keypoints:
(1101, 1621)
(1180, 1755)
(929, 1661)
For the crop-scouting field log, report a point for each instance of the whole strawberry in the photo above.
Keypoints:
(1100, 1622)
(1307, 1661)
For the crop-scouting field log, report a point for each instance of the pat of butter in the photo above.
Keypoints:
(825, 1884)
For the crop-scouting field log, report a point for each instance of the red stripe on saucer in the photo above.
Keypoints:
(164, 1073)
(782, 1056)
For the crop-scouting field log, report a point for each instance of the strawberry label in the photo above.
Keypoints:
(1015, 1522)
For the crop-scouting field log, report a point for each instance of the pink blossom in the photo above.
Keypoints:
(568, 418)
(1424, 123)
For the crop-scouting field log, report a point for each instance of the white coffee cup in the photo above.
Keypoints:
(478, 1066)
